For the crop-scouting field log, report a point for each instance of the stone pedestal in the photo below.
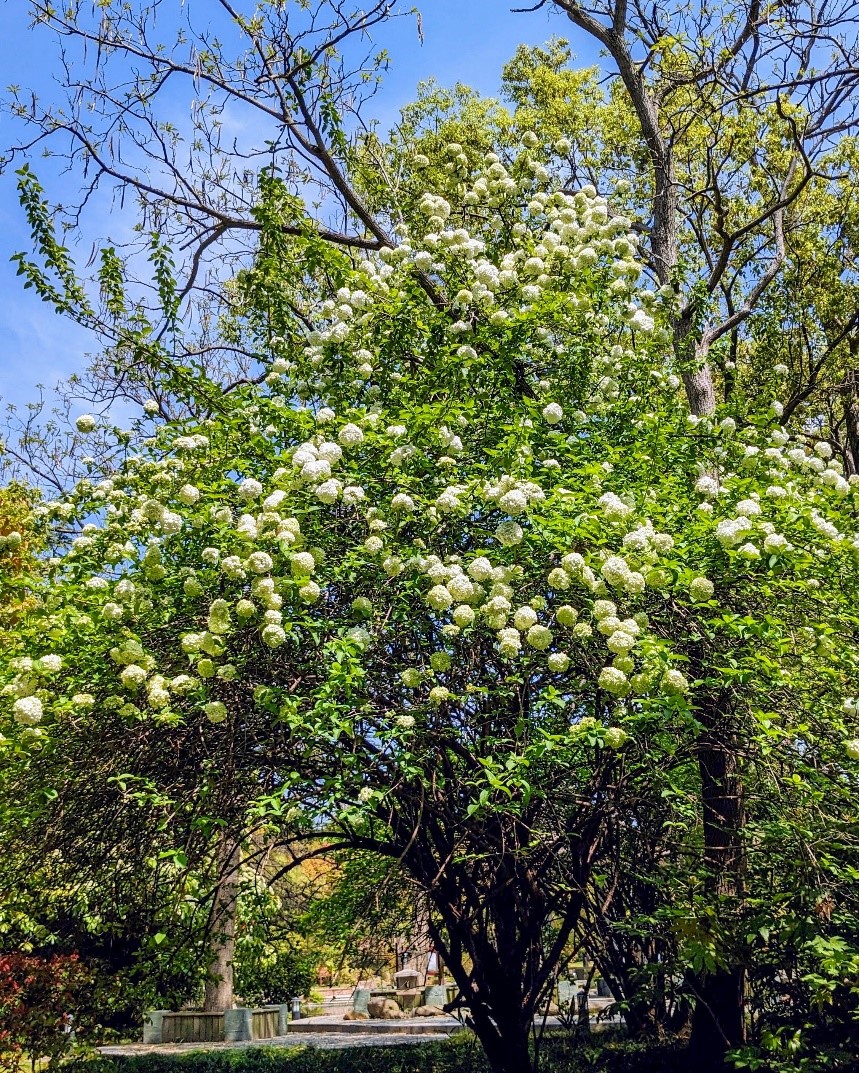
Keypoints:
(153, 1023)
(435, 995)
(238, 1026)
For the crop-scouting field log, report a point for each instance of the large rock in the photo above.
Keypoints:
(384, 1009)
(356, 1015)
(428, 1011)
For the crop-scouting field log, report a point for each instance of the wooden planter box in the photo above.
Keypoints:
(236, 1025)
(192, 1028)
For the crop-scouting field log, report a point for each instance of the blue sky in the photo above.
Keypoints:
(464, 40)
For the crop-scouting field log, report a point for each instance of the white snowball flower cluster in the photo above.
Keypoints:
(614, 509)
(28, 711)
(701, 589)
(249, 488)
(350, 435)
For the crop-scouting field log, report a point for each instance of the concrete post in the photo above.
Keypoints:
(238, 1025)
(153, 1026)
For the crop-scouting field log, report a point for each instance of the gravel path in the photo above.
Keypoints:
(324, 1040)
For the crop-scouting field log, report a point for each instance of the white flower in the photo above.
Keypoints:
(613, 680)
(539, 637)
(188, 494)
(325, 415)
(49, 664)
(309, 592)
(509, 533)
(402, 502)
(132, 676)
(328, 491)
(615, 570)
(463, 615)
(582, 631)
(231, 566)
(480, 569)
(448, 501)
(509, 642)
(302, 563)
(273, 635)
(405, 722)
(524, 618)
(317, 469)
(613, 507)
(701, 589)
(350, 435)
(216, 711)
(553, 414)
(171, 522)
(567, 615)
(707, 485)
(438, 598)
(438, 695)
(574, 564)
(620, 642)
(514, 502)
(85, 423)
(674, 682)
(852, 748)
(559, 578)
(460, 588)
(112, 612)
(259, 562)
(775, 542)
(28, 710)
(274, 501)
(558, 662)
(641, 321)
(749, 507)
(730, 531)
(330, 453)
(249, 488)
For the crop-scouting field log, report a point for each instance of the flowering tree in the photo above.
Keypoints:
(463, 571)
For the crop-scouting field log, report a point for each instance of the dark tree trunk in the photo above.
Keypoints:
(718, 1022)
(219, 986)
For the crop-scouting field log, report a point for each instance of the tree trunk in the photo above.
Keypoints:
(219, 985)
(718, 1022)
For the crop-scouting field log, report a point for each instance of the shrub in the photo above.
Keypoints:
(39, 998)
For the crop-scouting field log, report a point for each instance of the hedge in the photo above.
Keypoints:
(459, 1055)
